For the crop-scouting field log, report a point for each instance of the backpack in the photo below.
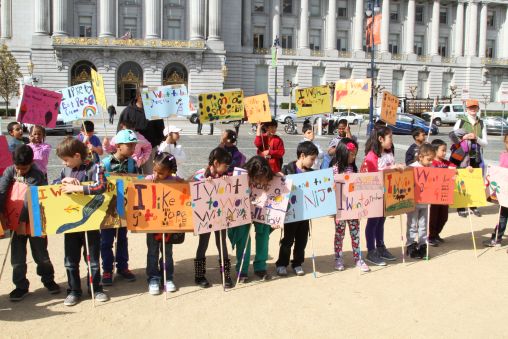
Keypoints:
(131, 165)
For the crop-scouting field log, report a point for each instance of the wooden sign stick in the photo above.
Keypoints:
(222, 261)
(472, 235)
(164, 264)
(312, 243)
(402, 239)
(428, 231)
(243, 257)
(90, 279)
(5, 257)
(116, 248)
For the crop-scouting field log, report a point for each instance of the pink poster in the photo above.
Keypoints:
(5, 159)
(38, 106)
(495, 182)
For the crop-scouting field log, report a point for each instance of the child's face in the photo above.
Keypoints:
(309, 134)
(441, 152)
(72, 162)
(420, 138)
(426, 160)
(341, 130)
(220, 168)
(271, 130)
(386, 142)
(125, 150)
(352, 156)
(17, 131)
(37, 136)
(307, 160)
(87, 134)
(224, 138)
(161, 173)
(22, 170)
(175, 136)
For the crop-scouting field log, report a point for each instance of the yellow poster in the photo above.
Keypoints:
(352, 94)
(312, 100)
(257, 108)
(225, 105)
(469, 189)
(98, 89)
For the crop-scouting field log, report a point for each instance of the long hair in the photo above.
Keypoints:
(341, 157)
(257, 167)
(220, 155)
(373, 143)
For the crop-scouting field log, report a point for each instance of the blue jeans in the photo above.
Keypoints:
(374, 233)
(122, 250)
(154, 264)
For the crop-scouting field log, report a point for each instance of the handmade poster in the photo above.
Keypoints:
(312, 100)
(469, 189)
(269, 202)
(220, 203)
(5, 159)
(399, 191)
(312, 195)
(359, 195)
(38, 106)
(352, 94)
(78, 102)
(162, 102)
(14, 205)
(225, 105)
(434, 185)
(389, 107)
(54, 212)
(495, 179)
(98, 89)
(117, 184)
(257, 108)
(163, 207)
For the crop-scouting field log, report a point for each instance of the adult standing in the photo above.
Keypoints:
(469, 137)
(200, 128)
(112, 113)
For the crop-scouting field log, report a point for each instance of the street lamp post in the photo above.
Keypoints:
(275, 46)
(372, 9)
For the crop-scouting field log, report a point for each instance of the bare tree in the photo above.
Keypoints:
(413, 90)
(485, 102)
(9, 75)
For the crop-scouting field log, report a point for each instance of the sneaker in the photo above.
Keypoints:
(170, 286)
(491, 243)
(299, 271)
(52, 287)
(362, 265)
(281, 271)
(433, 242)
(412, 251)
(439, 239)
(462, 214)
(127, 275)
(422, 251)
(263, 275)
(339, 264)
(154, 287)
(101, 297)
(244, 278)
(476, 212)
(374, 258)
(71, 300)
(385, 254)
(107, 279)
(18, 294)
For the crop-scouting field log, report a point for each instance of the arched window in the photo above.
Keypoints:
(129, 80)
(174, 73)
(81, 72)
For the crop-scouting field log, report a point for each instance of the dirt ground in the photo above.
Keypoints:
(451, 295)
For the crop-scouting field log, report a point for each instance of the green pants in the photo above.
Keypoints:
(238, 237)
(262, 239)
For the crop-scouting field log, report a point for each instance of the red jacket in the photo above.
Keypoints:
(275, 145)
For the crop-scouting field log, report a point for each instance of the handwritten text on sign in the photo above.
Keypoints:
(226, 105)
(78, 102)
(162, 102)
(434, 185)
(38, 106)
(389, 108)
(399, 191)
(312, 100)
(352, 94)
(257, 108)
(469, 189)
(220, 203)
(98, 89)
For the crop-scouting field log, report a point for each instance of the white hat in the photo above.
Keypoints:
(171, 129)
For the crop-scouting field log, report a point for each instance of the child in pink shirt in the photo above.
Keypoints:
(141, 152)
(40, 148)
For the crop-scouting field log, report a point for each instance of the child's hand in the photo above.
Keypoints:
(399, 167)
(70, 188)
(275, 227)
(470, 169)
(69, 180)
(105, 143)
(209, 179)
(224, 177)
(279, 174)
(90, 147)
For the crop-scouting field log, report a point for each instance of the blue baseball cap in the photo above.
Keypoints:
(125, 136)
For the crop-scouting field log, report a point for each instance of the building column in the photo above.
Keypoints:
(459, 30)
(152, 19)
(59, 18)
(197, 17)
(5, 19)
(473, 29)
(247, 24)
(385, 26)
(482, 44)
(107, 17)
(506, 33)
(275, 21)
(214, 19)
(410, 32)
(41, 17)
(434, 40)
(358, 31)
(303, 41)
(331, 26)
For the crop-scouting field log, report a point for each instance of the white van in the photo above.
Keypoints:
(445, 114)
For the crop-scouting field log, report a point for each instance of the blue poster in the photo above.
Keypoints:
(78, 102)
(165, 101)
(312, 195)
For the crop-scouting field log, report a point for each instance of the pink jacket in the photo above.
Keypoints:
(141, 153)
(41, 155)
(503, 159)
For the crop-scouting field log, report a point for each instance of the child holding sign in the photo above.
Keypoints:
(270, 145)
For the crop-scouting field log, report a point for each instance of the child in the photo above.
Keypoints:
(503, 215)
(296, 232)
(172, 134)
(141, 152)
(270, 146)
(119, 162)
(228, 142)
(164, 168)
(16, 132)
(379, 156)
(24, 171)
(78, 168)
(438, 213)
(40, 148)
(344, 162)
(412, 152)
(417, 220)
(92, 142)
(308, 135)
(218, 164)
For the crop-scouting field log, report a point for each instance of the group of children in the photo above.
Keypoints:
(127, 153)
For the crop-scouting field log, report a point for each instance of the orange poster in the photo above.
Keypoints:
(434, 185)
(389, 108)
(257, 108)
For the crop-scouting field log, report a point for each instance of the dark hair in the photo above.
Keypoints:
(230, 136)
(87, 126)
(70, 146)
(257, 167)
(438, 143)
(165, 160)
(426, 149)
(220, 155)
(342, 121)
(306, 148)
(128, 124)
(40, 128)
(273, 122)
(417, 131)
(10, 126)
(306, 127)
(373, 143)
(341, 157)
(23, 155)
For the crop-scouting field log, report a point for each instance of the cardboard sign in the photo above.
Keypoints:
(14, 205)
(389, 108)
(399, 191)
(162, 102)
(78, 102)
(359, 195)
(6, 158)
(220, 203)
(312, 195)
(38, 106)
(469, 189)
(434, 185)
(226, 105)
(352, 94)
(98, 89)
(495, 183)
(312, 100)
(257, 108)
(163, 207)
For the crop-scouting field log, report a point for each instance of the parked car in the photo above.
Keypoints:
(61, 126)
(406, 123)
(495, 125)
(351, 117)
(444, 114)
(290, 115)
(193, 103)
